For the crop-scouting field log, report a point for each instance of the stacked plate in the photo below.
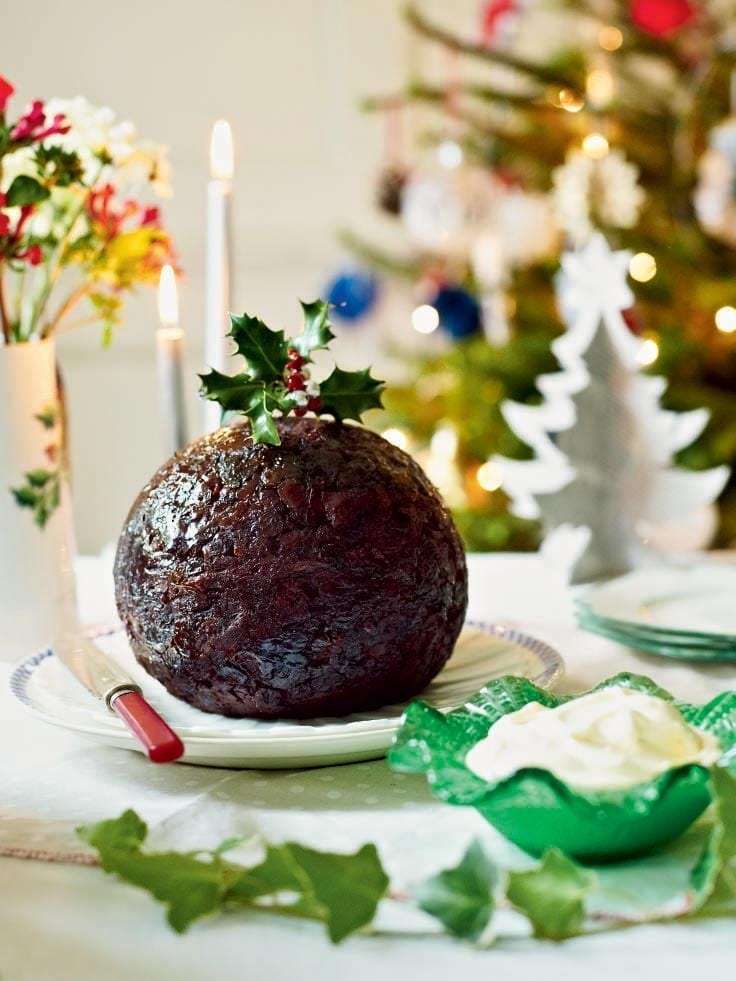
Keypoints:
(679, 612)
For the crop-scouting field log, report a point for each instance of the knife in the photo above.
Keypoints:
(106, 681)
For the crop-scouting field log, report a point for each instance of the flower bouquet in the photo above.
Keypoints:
(79, 229)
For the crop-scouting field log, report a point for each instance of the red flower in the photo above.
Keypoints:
(34, 126)
(104, 211)
(661, 17)
(151, 216)
(33, 254)
(6, 90)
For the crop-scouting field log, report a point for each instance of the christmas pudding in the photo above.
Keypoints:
(288, 565)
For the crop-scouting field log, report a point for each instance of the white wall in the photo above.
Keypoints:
(288, 75)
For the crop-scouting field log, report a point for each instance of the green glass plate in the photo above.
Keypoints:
(533, 808)
(687, 650)
(660, 634)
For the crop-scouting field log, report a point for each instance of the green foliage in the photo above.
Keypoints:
(462, 899)
(262, 349)
(48, 416)
(58, 167)
(516, 125)
(342, 891)
(552, 895)
(348, 394)
(261, 389)
(40, 494)
(317, 332)
(25, 190)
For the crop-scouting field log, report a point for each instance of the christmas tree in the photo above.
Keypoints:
(553, 121)
(610, 467)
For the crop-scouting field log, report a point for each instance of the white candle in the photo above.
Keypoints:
(219, 194)
(170, 356)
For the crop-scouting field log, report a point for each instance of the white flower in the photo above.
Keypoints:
(589, 192)
(96, 133)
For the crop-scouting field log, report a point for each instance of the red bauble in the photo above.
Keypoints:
(492, 14)
(661, 17)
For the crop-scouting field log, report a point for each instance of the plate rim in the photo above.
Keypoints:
(551, 662)
(584, 604)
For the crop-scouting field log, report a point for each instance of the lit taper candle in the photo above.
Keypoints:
(170, 353)
(219, 195)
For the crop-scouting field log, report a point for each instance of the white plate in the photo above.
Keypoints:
(698, 601)
(483, 652)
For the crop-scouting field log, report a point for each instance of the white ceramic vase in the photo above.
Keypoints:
(36, 541)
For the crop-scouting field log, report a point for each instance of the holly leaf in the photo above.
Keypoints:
(461, 898)
(348, 394)
(25, 190)
(552, 895)
(262, 427)
(235, 393)
(263, 349)
(317, 332)
(714, 876)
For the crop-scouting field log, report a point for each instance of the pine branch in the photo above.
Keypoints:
(540, 73)
(392, 264)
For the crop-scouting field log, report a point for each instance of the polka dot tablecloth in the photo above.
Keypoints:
(59, 920)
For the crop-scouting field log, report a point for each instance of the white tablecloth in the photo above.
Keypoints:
(63, 921)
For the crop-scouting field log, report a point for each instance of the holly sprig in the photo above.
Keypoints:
(558, 897)
(276, 380)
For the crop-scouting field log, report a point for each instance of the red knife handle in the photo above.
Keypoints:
(160, 741)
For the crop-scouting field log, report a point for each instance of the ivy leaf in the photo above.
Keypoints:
(461, 898)
(714, 876)
(263, 349)
(317, 331)
(348, 394)
(343, 891)
(552, 895)
(347, 887)
(25, 190)
(189, 886)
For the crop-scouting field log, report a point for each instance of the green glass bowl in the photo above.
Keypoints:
(533, 808)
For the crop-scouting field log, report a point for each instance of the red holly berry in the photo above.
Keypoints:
(314, 404)
(301, 411)
(295, 358)
(295, 382)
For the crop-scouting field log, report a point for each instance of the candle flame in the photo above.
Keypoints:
(168, 304)
(221, 151)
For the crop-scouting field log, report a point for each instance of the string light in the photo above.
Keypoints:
(726, 320)
(642, 267)
(397, 437)
(425, 319)
(595, 146)
(648, 352)
(489, 476)
(600, 86)
(610, 38)
(569, 100)
(450, 154)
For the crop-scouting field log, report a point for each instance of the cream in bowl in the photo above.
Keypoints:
(610, 739)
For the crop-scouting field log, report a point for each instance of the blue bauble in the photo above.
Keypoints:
(352, 293)
(459, 311)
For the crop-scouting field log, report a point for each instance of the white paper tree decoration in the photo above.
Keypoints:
(603, 444)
